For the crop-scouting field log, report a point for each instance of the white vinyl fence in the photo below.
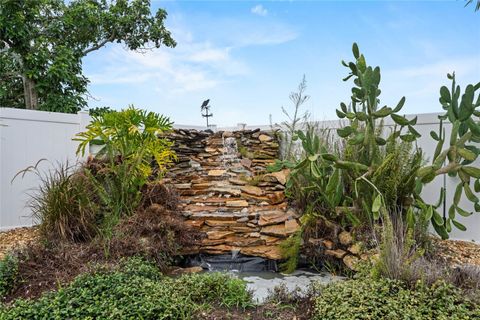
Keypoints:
(28, 136)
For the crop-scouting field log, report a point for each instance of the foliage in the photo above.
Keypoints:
(8, 274)
(291, 126)
(129, 141)
(42, 43)
(65, 204)
(290, 249)
(457, 158)
(477, 5)
(98, 111)
(398, 253)
(391, 299)
(136, 290)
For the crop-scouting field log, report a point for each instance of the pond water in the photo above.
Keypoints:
(262, 283)
(260, 274)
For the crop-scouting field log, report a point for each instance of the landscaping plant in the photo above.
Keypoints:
(457, 159)
(135, 290)
(132, 153)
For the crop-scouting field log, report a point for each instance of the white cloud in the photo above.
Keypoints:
(259, 10)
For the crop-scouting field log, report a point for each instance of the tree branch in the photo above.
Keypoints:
(99, 45)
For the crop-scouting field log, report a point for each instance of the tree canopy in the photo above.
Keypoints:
(42, 43)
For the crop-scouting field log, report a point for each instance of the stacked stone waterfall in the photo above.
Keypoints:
(227, 193)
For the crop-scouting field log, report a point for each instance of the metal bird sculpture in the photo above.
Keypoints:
(205, 107)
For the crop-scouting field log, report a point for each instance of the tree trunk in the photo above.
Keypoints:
(31, 96)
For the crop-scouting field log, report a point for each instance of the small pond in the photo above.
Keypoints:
(260, 274)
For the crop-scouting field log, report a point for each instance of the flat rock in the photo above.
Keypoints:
(256, 191)
(215, 235)
(273, 217)
(277, 230)
(216, 173)
(269, 252)
(237, 203)
(339, 253)
(265, 138)
(291, 226)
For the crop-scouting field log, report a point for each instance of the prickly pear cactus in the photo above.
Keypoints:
(455, 155)
(365, 114)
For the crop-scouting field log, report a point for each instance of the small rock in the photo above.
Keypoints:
(355, 248)
(276, 197)
(244, 210)
(351, 262)
(345, 238)
(254, 234)
(237, 203)
(246, 162)
(256, 191)
(339, 253)
(328, 244)
(241, 220)
(179, 271)
(264, 138)
(216, 173)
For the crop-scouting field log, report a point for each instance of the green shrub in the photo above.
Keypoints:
(390, 299)
(132, 152)
(8, 274)
(137, 290)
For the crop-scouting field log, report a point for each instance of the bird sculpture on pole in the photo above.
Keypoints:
(206, 108)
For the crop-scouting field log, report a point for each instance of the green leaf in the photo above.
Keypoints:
(357, 139)
(451, 212)
(345, 131)
(399, 120)
(340, 114)
(469, 193)
(437, 218)
(380, 141)
(476, 185)
(445, 94)
(471, 171)
(410, 218)
(385, 111)
(466, 154)
(454, 133)
(429, 213)
(399, 105)
(329, 157)
(458, 194)
(440, 231)
(459, 226)
(343, 106)
(408, 137)
(356, 52)
(377, 203)
(462, 212)
(477, 207)
(434, 135)
(414, 132)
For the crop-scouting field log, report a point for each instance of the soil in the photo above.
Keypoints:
(456, 252)
(274, 311)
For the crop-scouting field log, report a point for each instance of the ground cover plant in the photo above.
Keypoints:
(135, 289)
(392, 299)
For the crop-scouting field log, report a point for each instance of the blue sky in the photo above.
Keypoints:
(247, 56)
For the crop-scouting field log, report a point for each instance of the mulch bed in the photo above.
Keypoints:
(456, 252)
(16, 239)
